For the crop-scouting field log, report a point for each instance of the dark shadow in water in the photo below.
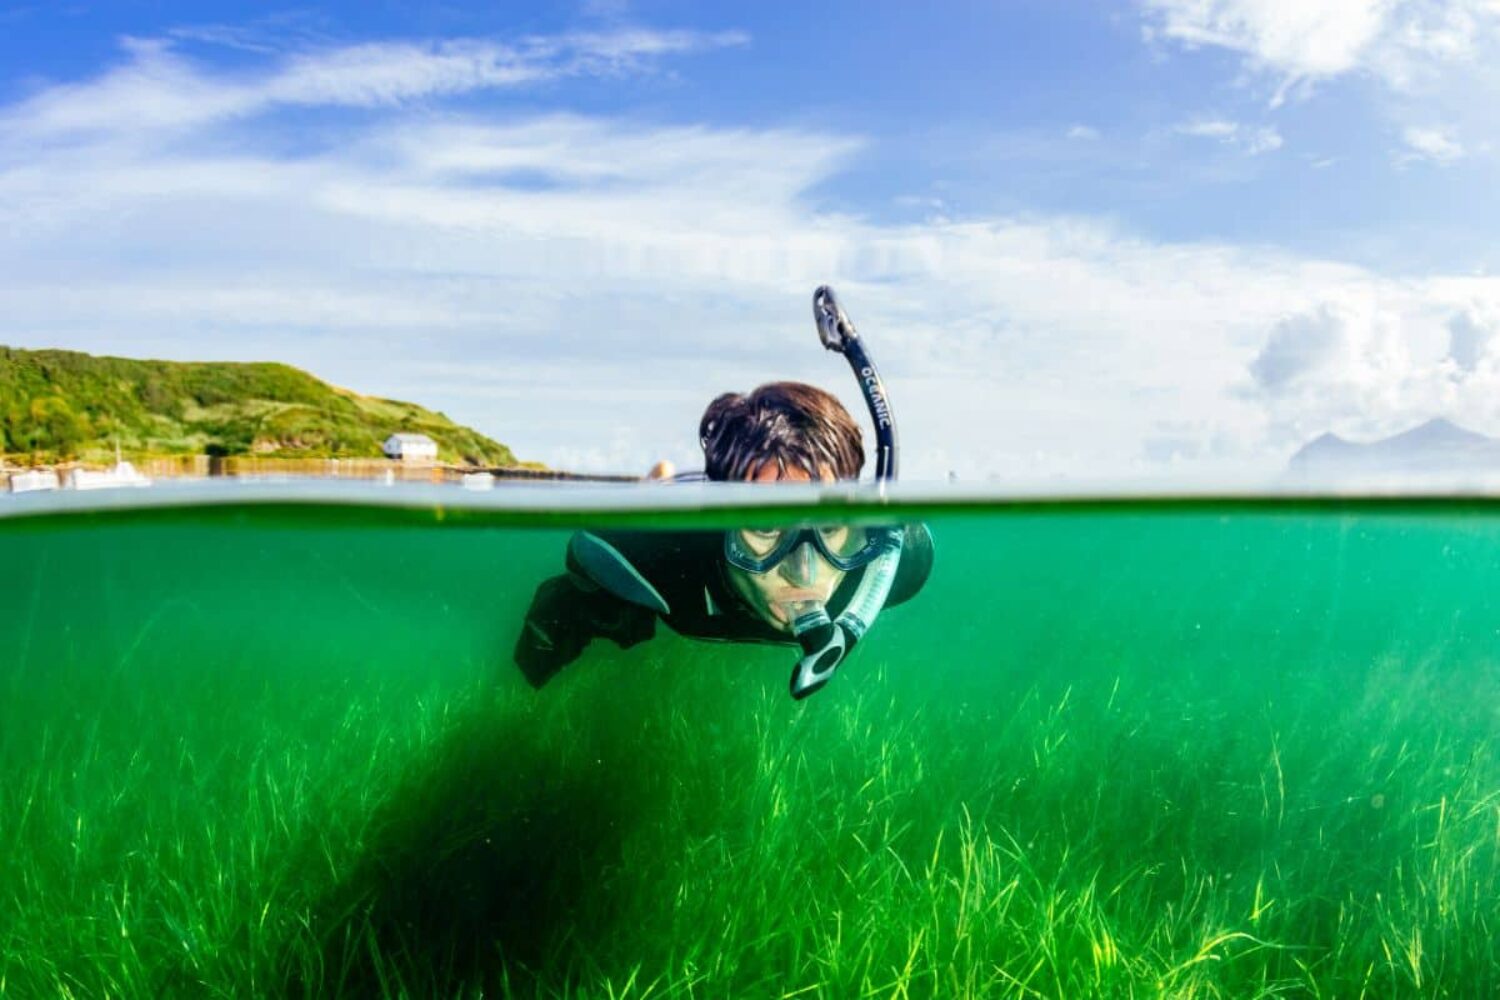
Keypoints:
(480, 872)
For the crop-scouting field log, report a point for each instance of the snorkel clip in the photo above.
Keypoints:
(835, 328)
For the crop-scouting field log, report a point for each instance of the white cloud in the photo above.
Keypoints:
(1433, 144)
(580, 287)
(1249, 139)
(158, 88)
(1261, 140)
(246, 39)
(1435, 33)
(1084, 132)
(1297, 38)
(1354, 341)
(1376, 360)
(1210, 129)
(1303, 41)
(1302, 346)
(1474, 337)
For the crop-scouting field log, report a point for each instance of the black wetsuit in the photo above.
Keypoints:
(688, 571)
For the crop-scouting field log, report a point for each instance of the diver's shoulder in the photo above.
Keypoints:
(917, 553)
(650, 547)
(664, 560)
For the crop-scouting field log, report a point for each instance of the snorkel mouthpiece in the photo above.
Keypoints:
(824, 645)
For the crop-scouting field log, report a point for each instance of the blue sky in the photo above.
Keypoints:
(1083, 239)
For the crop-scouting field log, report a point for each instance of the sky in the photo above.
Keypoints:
(1081, 240)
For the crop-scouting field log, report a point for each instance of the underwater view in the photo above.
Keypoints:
(1185, 748)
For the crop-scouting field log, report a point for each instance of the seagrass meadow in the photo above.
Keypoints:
(1132, 749)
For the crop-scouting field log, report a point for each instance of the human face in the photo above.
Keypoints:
(804, 576)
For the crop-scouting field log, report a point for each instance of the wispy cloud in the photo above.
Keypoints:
(268, 35)
(1313, 38)
(159, 88)
(1434, 144)
(1301, 43)
(1249, 139)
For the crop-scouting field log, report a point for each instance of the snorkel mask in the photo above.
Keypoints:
(826, 643)
(847, 547)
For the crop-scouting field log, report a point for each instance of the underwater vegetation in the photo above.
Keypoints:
(1117, 751)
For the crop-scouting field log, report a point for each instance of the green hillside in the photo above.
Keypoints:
(63, 404)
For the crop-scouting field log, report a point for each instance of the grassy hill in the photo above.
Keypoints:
(64, 404)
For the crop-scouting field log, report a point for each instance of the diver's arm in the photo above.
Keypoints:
(567, 613)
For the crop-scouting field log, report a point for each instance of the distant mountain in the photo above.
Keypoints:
(64, 404)
(1434, 448)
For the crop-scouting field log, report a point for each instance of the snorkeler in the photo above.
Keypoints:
(817, 587)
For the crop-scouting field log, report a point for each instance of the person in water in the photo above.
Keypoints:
(749, 585)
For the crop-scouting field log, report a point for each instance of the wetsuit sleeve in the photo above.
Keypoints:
(916, 565)
(567, 613)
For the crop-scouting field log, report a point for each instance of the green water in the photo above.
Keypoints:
(1113, 749)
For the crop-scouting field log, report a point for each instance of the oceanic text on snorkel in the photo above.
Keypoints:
(878, 406)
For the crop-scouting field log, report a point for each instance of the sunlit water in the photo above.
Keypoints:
(1133, 748)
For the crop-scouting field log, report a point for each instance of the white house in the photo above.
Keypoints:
(123, 474)
(33, 479)
(410, 448)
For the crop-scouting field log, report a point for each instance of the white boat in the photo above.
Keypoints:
(123, 474)
(32, 480)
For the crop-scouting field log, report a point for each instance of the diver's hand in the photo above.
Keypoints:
(550, 638)
(564, 618)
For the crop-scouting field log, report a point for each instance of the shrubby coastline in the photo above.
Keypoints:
(62, 406)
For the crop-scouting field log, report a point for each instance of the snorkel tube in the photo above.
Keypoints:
(826, 643)
(837, 333)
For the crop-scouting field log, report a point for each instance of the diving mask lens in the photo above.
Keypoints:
(760, 542)
(842, 541)
(759, 550)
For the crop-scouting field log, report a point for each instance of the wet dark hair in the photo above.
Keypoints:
(792, 424)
